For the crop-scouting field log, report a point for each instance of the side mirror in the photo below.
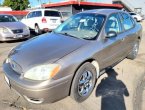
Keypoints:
(111, 34)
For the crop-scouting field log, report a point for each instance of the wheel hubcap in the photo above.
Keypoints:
(85, 83)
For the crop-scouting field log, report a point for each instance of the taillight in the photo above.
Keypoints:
(44, 20)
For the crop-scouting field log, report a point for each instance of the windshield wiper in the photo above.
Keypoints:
(91, 38)
(66, 34)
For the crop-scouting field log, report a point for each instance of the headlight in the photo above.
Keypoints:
(42, 72)
(4, 30)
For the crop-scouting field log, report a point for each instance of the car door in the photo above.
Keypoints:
(113, 46)
(129, 32)
(29, 20)
(38, 19)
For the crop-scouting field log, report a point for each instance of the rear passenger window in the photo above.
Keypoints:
(126, 21)
(34, 14)
(52, 13)
(38, 14)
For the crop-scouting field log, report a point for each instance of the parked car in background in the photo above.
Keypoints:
(12, 29)
(41, 20)
(136, 16)
(70, 59)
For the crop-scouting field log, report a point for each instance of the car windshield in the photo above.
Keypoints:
(83, 26)
(8, 18)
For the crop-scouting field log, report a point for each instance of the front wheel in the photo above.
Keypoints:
(134, 51)
(83, 82)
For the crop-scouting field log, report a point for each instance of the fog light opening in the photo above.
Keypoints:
(34, 100)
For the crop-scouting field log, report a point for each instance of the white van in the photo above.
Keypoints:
(42, 20)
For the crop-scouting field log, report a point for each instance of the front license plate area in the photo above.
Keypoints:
(19, 36)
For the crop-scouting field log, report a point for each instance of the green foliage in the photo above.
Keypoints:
(16, 4)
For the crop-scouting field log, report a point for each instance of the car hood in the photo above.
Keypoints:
(44, 49)
(13, 25)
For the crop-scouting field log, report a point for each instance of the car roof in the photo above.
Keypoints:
(106, 12)
(43, 9)
(6, 15)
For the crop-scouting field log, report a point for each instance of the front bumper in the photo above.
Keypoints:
(35, 91)
(12, 36)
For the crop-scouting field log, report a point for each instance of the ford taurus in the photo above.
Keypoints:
(68, 61)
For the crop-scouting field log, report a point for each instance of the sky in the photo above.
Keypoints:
(36, 3)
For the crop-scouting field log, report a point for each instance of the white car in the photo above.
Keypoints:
(136, 16)
(42, 20)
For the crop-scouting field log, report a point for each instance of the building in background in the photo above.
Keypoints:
(137, 6)
(71, 7)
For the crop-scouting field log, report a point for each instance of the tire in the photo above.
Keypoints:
(37, 30)
(84, 79)
(134, 51)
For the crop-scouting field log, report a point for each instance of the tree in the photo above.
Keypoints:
(16, 4)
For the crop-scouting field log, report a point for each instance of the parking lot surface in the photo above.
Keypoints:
(122, 89)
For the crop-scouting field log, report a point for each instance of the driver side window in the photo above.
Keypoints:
(113, 24)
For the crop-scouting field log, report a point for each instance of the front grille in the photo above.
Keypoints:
(17, 31)
(15, 66)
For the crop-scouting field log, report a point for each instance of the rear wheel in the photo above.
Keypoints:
(37, 30)
(134, 51)
(83, 82)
